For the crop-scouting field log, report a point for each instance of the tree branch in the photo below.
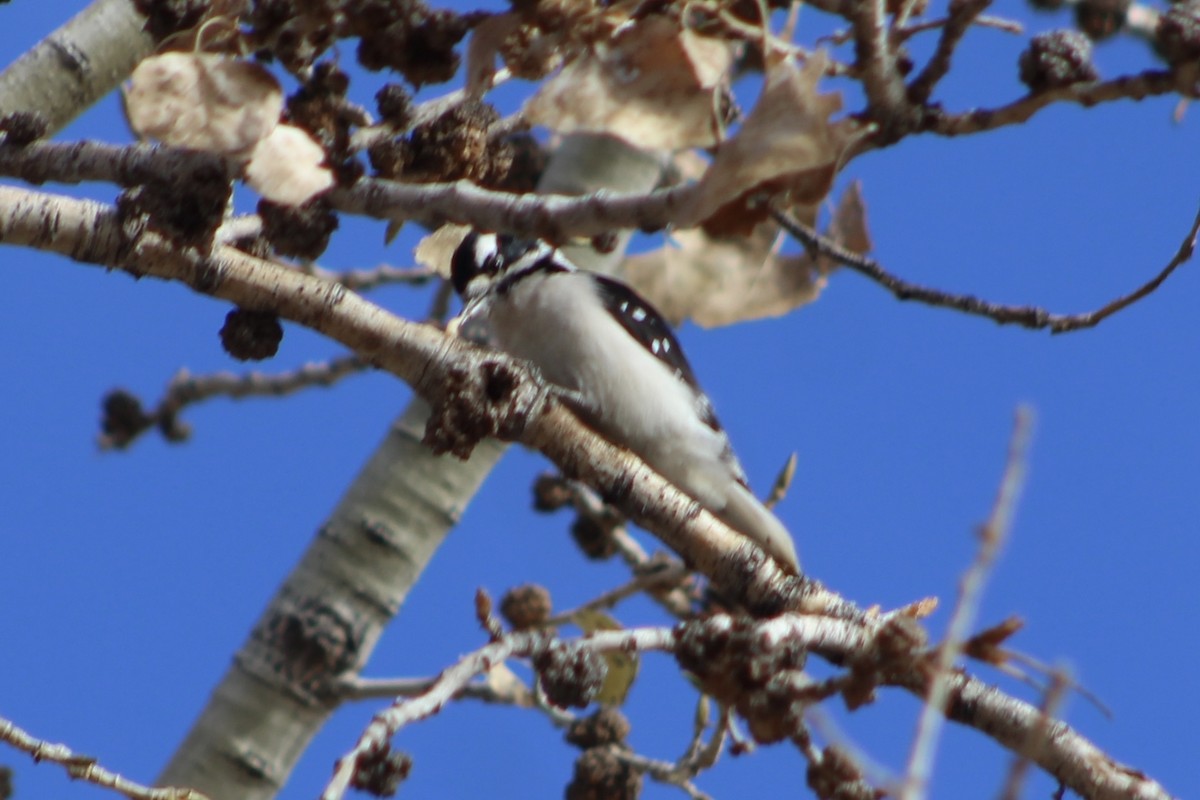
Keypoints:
(962, 15)
(185, 389)
(76, 65)
(875, 62)
(556, 217)
(992, 536)
(88, 769)
(433, 364)
(1149, 83)
(1032, 317)
(424, 357)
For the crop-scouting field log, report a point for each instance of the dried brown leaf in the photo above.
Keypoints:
(787, 144)
(286, 167)
(986, 645)
(720, 280)
(436, 249)
(655, 85)
(203, 102)
(849, 224)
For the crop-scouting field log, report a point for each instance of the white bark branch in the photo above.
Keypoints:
(431, 362)
(86, 768)
(77, 64)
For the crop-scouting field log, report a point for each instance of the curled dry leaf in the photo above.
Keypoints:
(988, 645)
(787, 144)
(486, 38)
(655, 85)
(286, 167)
(215, 29)
(203, 102)
(848, 227)
(208, 102)
(720, 280)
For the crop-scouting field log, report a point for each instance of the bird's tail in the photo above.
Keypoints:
(747, 515)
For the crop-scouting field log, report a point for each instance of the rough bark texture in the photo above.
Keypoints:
(76, 65)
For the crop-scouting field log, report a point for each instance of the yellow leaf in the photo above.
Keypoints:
(622, 666)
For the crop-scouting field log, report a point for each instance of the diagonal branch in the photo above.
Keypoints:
(992, 536)
(436, 365)
(962, 15)
(1149, 83)
(124, 420)
(1032, 317)
(88, 769)
(875, 61)
(79, 63)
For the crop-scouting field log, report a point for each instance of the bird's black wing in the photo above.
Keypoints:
(645, 324)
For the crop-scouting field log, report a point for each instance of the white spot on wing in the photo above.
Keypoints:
(639, 314)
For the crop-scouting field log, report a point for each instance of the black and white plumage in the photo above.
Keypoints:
(621, 365)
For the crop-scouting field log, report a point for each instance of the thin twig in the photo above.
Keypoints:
(874, 60)
(186, 389)
(992, 536)
(982, 21)
(1084, 692)
(363, 280)
(825, 725)
(1139, 86)
(700, 719)
(352, 688)
(87, 769)
(560, 717)
(962, 14)
(900, 20)
(355, 688)
(707, 756)
(661, 771)
(1032, 317)
(452, 680)
(908, 31)
(675, 598)
(667, 576)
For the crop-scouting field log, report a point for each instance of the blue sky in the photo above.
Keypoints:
(131, 578)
